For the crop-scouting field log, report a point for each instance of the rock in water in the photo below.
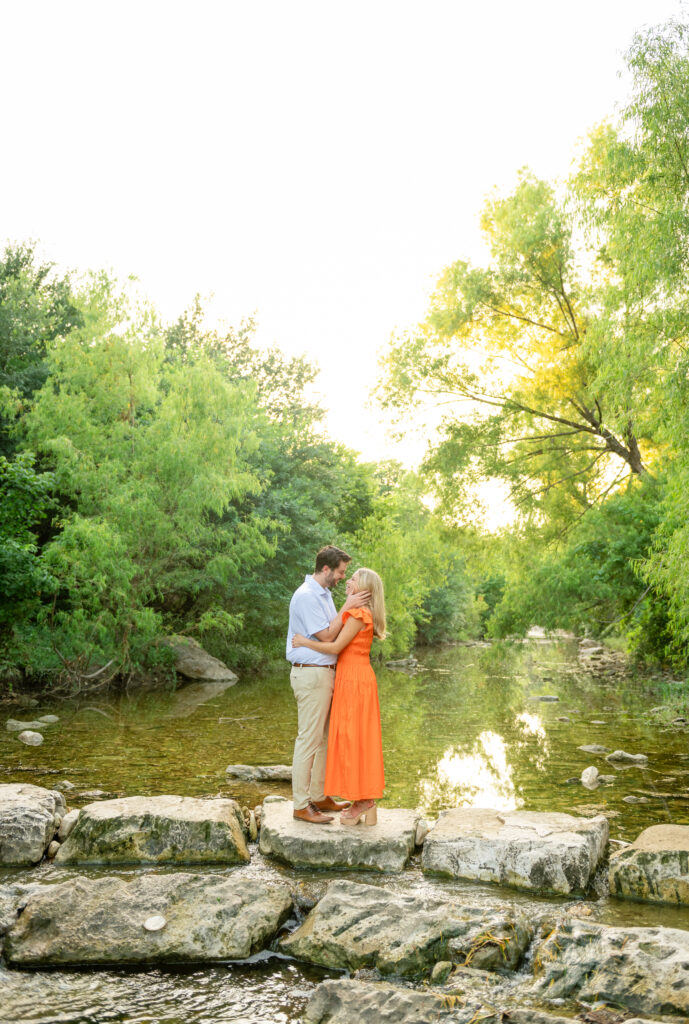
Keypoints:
(13, 725)
(193, 662)
(32, 739)
(523, 849)
(622, 757)
(644, 970)
(344, 1001)
(355, 926)
(157, 830)
(260, 772)
(29, 816)
(101, 920)
(67, 824)
(386, 846)
(589, 777)
(654, 868)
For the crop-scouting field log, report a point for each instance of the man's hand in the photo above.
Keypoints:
(357, 600)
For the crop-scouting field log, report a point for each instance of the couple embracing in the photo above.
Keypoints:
(338, 750)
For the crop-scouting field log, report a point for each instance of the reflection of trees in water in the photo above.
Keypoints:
(487, 774)
(482, 778)
(462, 733)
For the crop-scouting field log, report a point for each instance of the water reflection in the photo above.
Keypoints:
(482, 778)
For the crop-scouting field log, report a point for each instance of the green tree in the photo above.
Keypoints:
(505, 345)
(632, 192)
(147, 456)
(36, 306)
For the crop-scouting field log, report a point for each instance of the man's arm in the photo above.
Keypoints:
(335, 624)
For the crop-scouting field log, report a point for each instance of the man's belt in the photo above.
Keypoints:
(297, 665)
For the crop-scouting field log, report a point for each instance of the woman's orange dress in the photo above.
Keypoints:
(354, 768)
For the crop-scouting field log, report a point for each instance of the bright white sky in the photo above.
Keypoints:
(315, 163)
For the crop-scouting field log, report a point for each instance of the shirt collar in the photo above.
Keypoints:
(315, 585)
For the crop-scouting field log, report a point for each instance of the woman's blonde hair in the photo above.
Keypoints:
(370, 580)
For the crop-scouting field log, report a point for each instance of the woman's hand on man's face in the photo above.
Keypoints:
(357, 600)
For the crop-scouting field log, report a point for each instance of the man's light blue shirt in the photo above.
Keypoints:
(311, 609)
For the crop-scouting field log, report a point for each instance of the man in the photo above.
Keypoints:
(312, 612)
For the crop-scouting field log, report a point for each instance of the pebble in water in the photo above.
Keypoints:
(32, 739)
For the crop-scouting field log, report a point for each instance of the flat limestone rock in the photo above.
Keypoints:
(654, 868)
(386, 846)
(355, 926)
(522, 849)
(13, 725)
(101, 920)
(343, 1001)
(29, 818)
(156, 830)
(644, 970)
(260, 772)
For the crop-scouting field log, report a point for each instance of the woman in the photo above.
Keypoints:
(354, 768)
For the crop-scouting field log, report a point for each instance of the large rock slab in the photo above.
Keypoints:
(344, 1001)
(102, 920)
(355, 926)
(354, 1002)
(522, 849)
(645, 970)
(386, 846)
(157, 830)
(29, 818)
(193, 662)
(654, 868)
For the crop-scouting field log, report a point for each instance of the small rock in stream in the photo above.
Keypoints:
(32, 739)
(622, 757)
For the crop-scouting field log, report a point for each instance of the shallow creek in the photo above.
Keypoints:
(468, 729)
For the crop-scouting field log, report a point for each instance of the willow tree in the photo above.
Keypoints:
(633, 197)
(504, 349)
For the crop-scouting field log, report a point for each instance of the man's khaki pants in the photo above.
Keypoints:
(313, 690)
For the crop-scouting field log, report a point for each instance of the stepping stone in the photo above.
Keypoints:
(522, 849)
(29, 818)
(356, 926)
(346, 1001)
(386, 846)
(157, 830)
(643, 970)
(103, 920)
(654, 868)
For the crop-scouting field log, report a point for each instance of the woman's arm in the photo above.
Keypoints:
(350, 629)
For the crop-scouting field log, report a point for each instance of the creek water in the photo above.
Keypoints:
(468, 729)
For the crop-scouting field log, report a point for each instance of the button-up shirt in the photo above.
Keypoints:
(311, 609)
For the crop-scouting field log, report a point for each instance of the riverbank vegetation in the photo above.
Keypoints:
(563, 364)
(168, 478)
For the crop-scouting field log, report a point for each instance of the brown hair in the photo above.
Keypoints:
(332, 557)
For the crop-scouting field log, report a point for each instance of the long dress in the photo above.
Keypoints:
(354, 767)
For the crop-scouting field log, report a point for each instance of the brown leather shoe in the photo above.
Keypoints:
(312, 814)
(328, 804)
